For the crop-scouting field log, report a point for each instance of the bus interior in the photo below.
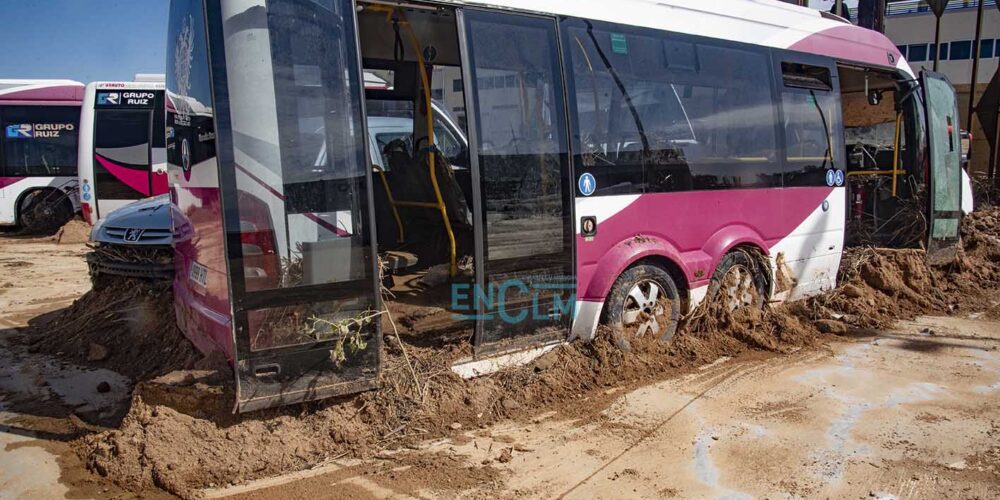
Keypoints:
(421, 175)
(885, 143)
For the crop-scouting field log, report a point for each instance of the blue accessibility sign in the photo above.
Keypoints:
(839, 178)
(587, 184)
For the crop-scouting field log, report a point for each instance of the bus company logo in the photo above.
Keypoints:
(20, 131)
(109, 98)
(37, 130)
(514, 301)
(141, 98)
(133, 234)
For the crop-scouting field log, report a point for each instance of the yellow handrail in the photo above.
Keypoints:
(392, 203)
(431, 156)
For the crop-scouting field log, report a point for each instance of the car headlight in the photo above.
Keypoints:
(95, 232)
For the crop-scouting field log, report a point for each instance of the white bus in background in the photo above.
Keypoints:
(122, 154)
(38, 152)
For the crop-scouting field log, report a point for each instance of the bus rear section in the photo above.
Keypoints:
(122, 145)
(38, 152)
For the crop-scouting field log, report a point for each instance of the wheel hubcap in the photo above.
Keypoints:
(644, 307)
(739, 288)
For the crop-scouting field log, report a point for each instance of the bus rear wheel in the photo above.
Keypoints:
(739, 281)
(44, 211)
(645, 299)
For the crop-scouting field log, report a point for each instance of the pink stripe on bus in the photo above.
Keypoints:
(693, 229)
(309, 215)
(851, 43)
(7, 181)
(135, 179)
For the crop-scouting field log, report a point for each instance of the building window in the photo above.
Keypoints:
(986, 49)
(961, 50)
(943, 51)
(456, 85)
(902, 50)
(918, 53)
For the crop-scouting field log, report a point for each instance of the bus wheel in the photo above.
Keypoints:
(45, 211)
(739, 281)
(645, 298)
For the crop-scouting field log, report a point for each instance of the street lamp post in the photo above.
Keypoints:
(937, 6)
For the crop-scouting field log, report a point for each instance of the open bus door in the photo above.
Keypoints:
(945, 168)
(521, 186)
(296, 199)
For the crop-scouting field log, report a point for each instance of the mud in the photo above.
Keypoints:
(124, 325)
(183, 448)
(159, 446)
(74, 231)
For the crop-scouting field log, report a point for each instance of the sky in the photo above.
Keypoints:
(84, 40)
(90, 40)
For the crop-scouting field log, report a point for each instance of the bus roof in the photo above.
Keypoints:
(41, 92)
(761, 22)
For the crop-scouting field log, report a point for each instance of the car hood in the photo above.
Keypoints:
(148, 213)
(148, 219)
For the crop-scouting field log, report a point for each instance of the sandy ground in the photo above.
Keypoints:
(908, 413)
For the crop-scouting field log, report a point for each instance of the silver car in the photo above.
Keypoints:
(134, 241)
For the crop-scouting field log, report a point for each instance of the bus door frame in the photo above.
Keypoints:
(482, 347)
(312, 377)
(944, 222)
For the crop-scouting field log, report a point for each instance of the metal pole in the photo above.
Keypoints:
(975, 65)
(839, 7)
(937, 41)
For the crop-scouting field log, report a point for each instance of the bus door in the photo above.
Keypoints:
(521, 180)
(945, 167)
(125, 130)
(296, 192)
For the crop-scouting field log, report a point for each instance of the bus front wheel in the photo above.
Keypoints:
(644, 299)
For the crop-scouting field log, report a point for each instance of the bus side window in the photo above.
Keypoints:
(659, 112)
(810, 123)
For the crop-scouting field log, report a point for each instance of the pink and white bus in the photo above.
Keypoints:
(38, 166)
(622, 165)
(122, 154)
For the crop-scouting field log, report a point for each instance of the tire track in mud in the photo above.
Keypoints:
(712, 377)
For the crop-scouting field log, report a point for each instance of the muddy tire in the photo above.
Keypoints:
(743, 278)
(645, 301)
(44, 212)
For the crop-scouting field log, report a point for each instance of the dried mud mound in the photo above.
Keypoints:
(124, 325)
(881, 286)
(74, 231)
(184, 448)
